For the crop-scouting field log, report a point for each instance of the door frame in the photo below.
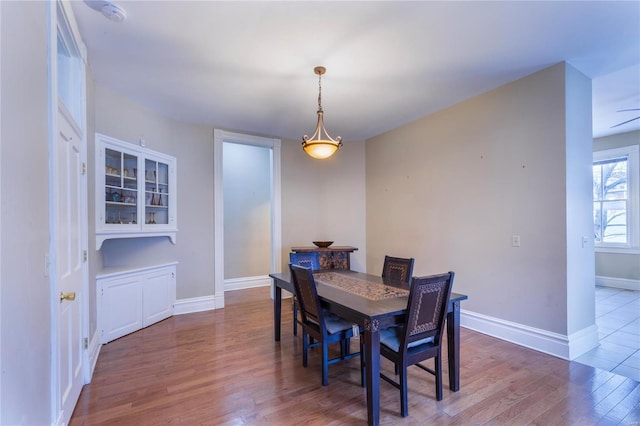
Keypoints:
(60, 17)
(219, 137)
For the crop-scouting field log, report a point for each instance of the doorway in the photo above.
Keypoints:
(273, 145)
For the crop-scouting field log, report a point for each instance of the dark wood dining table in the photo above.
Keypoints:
(373, 303)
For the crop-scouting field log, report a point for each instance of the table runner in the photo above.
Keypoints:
(367, 289)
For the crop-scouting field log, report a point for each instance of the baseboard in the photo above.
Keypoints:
(198, 304)
(247, 282)
(561, 346)
(93, 353)
(208, 303)
(622, 283)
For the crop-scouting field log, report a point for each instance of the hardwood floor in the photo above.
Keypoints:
(223, 367)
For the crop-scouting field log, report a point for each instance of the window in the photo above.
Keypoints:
(615, 198)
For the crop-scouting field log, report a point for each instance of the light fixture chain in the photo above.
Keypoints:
(319, 92)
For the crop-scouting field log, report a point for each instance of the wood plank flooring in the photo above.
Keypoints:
(224, 368)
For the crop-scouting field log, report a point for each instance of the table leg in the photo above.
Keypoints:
(453, 346)
(372, 366)
(277, 310)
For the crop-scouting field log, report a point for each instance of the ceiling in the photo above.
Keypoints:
(248, 66)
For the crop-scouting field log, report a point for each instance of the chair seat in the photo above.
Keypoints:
(334, 323)
(390, 337)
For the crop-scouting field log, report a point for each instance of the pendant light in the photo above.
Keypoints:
(320, 145)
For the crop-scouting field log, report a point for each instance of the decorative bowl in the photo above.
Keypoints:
(323, 244)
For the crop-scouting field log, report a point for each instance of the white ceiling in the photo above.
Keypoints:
(248, 66)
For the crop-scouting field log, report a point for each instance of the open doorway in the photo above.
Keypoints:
(235, 142)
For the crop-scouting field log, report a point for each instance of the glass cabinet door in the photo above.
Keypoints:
(156, 182)
(120, 188)
(135, 192)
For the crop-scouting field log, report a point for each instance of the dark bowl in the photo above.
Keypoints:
(323, 244)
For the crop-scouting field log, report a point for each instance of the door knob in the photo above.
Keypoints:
(67, 296)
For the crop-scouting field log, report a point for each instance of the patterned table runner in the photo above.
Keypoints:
(367, 289)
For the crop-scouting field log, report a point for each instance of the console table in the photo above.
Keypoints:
(336, 257)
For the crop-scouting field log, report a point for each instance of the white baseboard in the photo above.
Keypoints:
(247, 282)
(561, 346)
(198, 304)
(622, 283)
(208, 303)
(92, 355)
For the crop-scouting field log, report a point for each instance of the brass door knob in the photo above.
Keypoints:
(67, 296)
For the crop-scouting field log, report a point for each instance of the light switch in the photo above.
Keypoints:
(515, 240)
(585, 241)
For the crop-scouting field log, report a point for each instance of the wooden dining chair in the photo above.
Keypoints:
(420, 336)
(317, 323)
(398, 268)
(308, 260)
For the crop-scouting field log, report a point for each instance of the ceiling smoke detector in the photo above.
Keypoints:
(112, 11)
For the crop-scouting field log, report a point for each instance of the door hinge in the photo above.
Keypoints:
(85, 343)
(84, 168)
(85, 256)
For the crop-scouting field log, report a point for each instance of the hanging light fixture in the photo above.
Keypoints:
(320, 145)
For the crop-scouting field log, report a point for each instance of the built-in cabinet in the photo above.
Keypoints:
(130, 299)
(135, 191)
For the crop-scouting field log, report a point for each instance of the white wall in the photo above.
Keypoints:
(247, 210)
(25, 333)
(451, 190)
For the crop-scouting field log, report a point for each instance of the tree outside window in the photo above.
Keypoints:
(610, 205)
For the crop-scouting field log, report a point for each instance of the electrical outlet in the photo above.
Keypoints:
(515, 240)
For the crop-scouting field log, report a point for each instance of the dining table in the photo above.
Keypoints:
(374, 303)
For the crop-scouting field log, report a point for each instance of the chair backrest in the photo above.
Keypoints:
(306, 292)
(398, 268)
(427, 308)
(308, 260)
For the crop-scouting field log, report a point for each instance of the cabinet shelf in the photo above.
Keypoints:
(127, 178)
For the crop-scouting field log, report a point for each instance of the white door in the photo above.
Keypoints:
(68, 212)
(69, 260)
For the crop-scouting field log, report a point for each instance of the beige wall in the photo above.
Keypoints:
(452, 188)
(25, 295)
(192, 146)
(613, 265)
(324, 199)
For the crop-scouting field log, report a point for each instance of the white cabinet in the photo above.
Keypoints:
(131, 299)
(135, 191)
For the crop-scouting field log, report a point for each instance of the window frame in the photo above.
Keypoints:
(632, 153)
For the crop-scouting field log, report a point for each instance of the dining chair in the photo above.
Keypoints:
(308, 260)
(420, 336)
(398, 268)
(319, 324)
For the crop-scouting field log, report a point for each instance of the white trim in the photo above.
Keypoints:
(623, 283)
(559, 345)
(632, 152)
(247, 282)
(197, 304)
(1, 226)
(219, 137)
(93, 352)
(617, 250)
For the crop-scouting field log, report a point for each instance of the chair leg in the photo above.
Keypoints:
(438, 371)
(305, 348)
(325, 364)
(295, 319)
(404, 404)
